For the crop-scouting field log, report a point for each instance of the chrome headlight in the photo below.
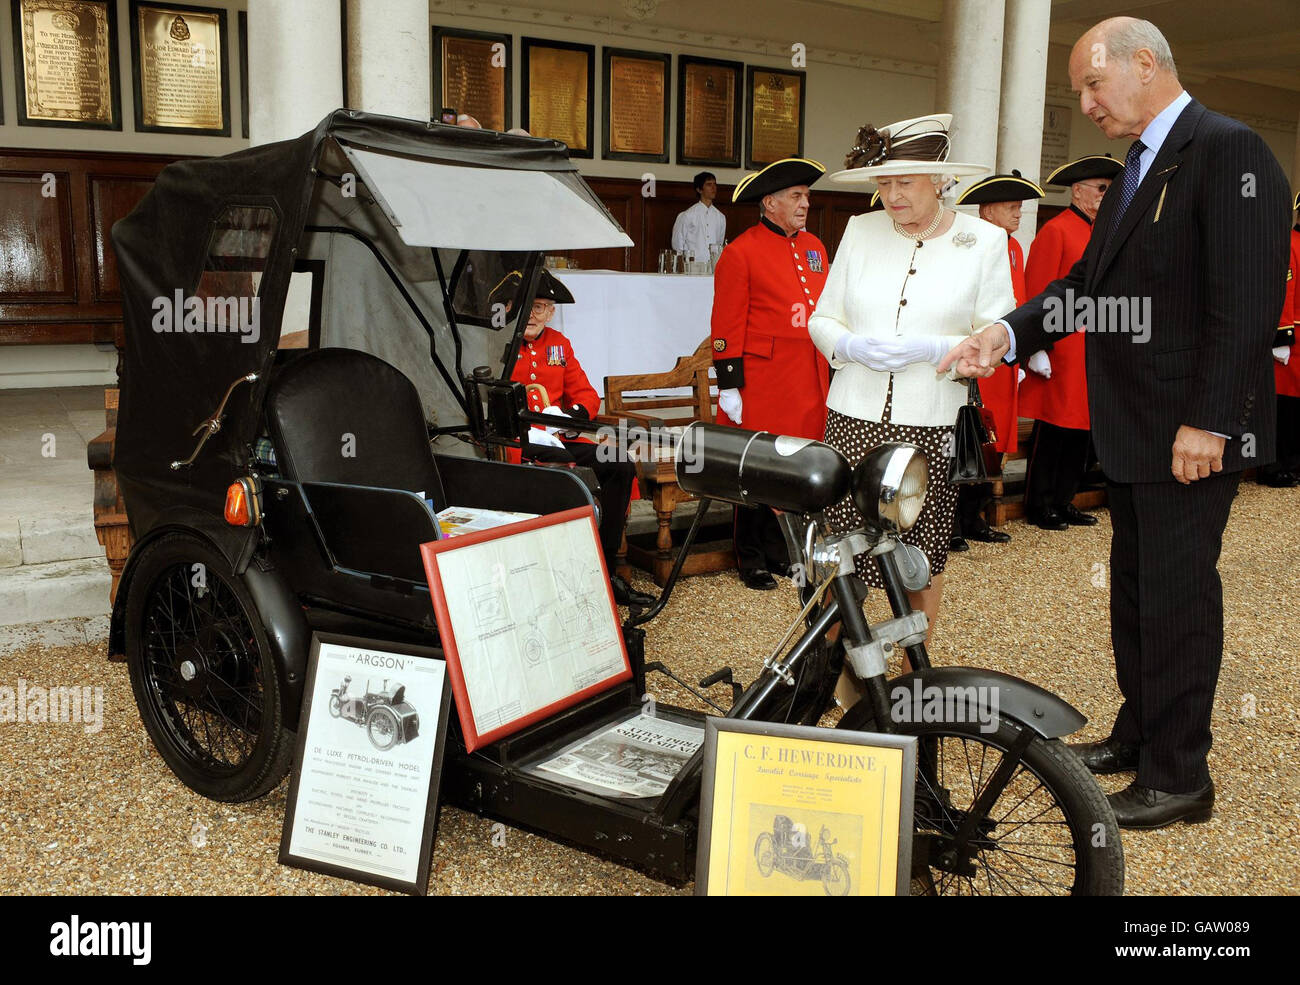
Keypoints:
(889, 486)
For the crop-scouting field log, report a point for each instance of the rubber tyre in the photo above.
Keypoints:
(382, 720)
(336, 706)
(233, 642)
(835, 878)
(765, 854)
(1099, 870)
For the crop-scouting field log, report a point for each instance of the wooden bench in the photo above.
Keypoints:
(654, 464)
(1005, 506)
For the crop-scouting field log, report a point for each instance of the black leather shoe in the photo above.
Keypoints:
(1108, 756)
(986, 534)
(759, 579)
(1143, 808)
(1279, 480)
(957, 545)
(1048, 519)
(1075, 517)
(625, 594)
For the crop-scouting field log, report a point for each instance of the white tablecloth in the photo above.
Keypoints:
(633, 323)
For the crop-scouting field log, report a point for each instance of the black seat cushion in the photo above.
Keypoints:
(340, 415)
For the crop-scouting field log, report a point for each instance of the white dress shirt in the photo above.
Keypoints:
(698, 228)
(882, 286)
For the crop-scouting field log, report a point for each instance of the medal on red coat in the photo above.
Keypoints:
(814, 261)
(555, 355)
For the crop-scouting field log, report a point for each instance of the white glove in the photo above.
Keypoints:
(1020, 376)
(552, 409)
(538, 436)
(1282, 354)
(730, 404)
(1041, 365)
(891, 355)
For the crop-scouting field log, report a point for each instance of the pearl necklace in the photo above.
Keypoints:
(929, 230)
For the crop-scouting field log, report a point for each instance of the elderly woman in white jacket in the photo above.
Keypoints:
(907, 284)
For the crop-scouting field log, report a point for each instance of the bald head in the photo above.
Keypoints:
(1124, 74)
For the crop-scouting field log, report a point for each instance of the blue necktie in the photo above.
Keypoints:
(1129, 187)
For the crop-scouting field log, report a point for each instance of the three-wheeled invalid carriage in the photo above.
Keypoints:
(318, 333)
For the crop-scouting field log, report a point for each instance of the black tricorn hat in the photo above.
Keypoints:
(1011, 187)
(1092, 166)
(776, 177)
(1295, 202)
(549, 288)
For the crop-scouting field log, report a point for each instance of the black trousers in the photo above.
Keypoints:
(615, 480)
(1288, 436)
(972, 498)
(758, 539)
(1166, 622)
(1057, 462)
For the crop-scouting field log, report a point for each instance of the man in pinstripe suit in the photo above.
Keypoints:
(1180, 286)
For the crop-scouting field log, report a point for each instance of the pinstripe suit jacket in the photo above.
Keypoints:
(1199, 261)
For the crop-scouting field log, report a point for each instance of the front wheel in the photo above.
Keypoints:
(1046, 828)
(336, 706)
(835, 877)
(205, 681)
(764, 855)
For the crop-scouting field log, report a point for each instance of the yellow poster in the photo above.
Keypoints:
(806, 816)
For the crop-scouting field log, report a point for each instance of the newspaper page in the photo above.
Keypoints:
(635, 758)
(457, 520)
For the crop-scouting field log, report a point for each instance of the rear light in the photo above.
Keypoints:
(244, 503)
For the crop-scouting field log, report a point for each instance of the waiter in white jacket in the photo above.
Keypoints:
(701, 226)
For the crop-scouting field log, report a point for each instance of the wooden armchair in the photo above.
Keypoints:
(654, 464)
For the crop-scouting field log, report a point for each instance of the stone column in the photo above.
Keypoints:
(295, 67)
(970, 78)
(388, 57)
(1024, 88)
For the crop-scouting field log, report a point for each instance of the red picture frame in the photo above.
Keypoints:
(432, 553)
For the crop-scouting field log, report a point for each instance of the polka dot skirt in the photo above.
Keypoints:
(853, 437)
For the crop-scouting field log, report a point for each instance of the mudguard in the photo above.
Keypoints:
(989, 692)
(277, 607)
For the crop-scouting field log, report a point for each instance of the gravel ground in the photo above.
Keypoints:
(100, 813)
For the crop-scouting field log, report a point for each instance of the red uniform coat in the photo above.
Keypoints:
(765, 288)
(999, 391)
(549, 360)
(1062, 400)
(1287, 378)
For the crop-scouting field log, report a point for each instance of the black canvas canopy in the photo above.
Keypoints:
(363, 234)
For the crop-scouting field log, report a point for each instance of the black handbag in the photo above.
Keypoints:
(974, 455)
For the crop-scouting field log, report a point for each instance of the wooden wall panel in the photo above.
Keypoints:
(111, 198)
(37, 257)
(58, 275)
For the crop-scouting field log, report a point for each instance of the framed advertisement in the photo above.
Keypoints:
(774, 123)
(471, 74)
(363, 799)
(243, 73)
(791, 810)
(708, 111)
(65, 61)
(527, 621)
(180, 69)
(635, 105)
(559, 92)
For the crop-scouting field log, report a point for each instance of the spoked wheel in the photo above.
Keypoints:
(835, 877)
(764, 854)
(381, 727)
(202, 673)
(336, 706)
(1043, 826)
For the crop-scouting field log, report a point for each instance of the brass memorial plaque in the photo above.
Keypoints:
(637, 90)
(709, 118)
(474, 78)
(558, 95)
(67, 67)
(776, 116)
(180, 69)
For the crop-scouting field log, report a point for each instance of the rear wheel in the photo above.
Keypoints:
(201, 669)
(764, 855)
(1045, 827)
(381, 727)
